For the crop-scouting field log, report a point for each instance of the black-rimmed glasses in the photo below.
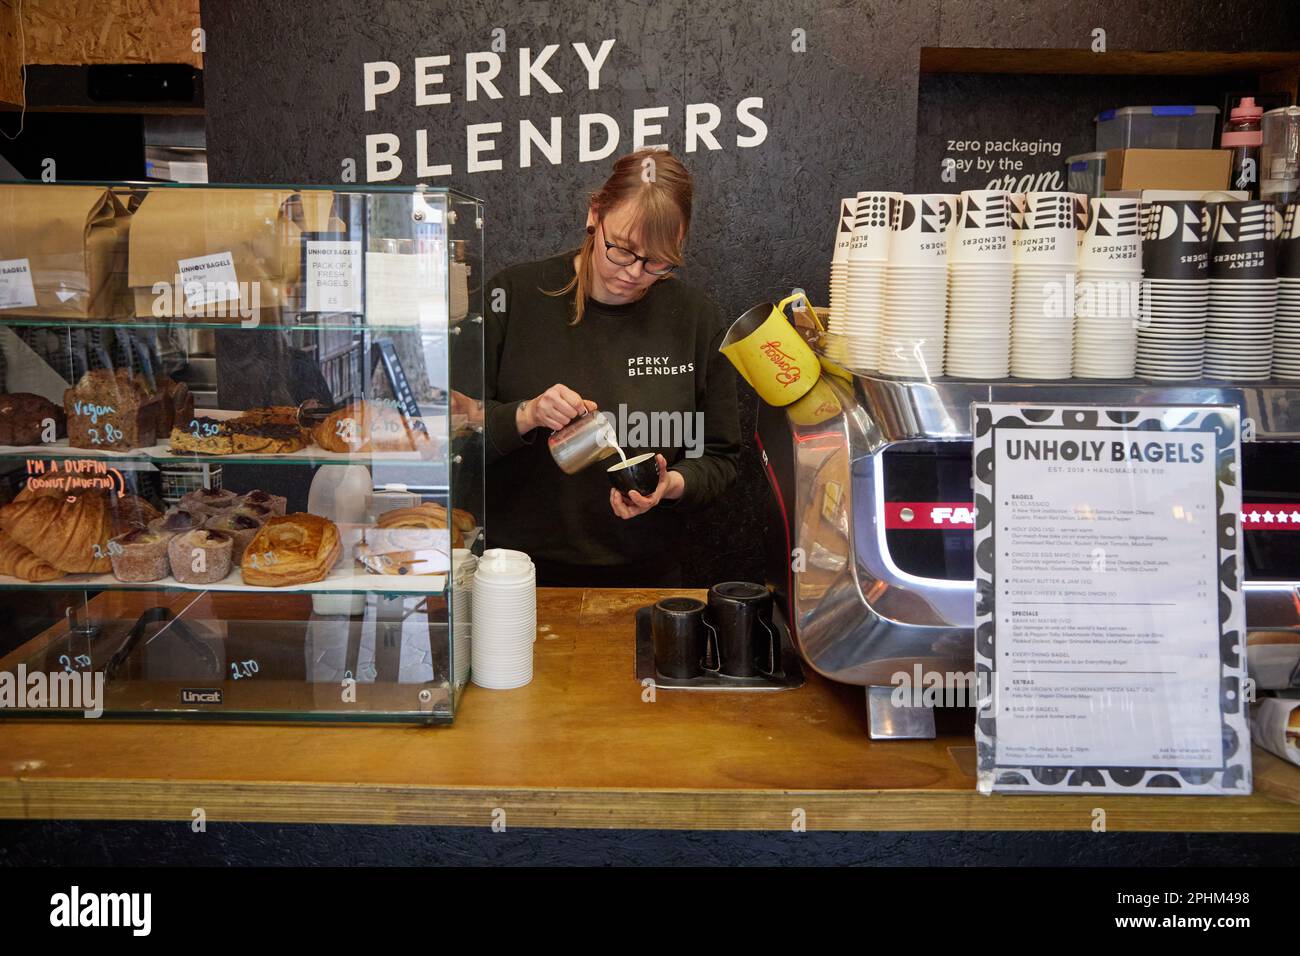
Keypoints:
(626, 257)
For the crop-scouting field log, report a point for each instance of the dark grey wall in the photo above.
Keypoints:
(285, 104)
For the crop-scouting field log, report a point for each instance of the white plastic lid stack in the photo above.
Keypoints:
(504, 625)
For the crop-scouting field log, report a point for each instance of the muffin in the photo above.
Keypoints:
(210, 501)
(258, 513)
(177, 521)
(200, 556)
(143, 555)
(241, 528)
(258, 497)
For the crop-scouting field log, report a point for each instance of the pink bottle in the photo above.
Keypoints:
(1243, 135)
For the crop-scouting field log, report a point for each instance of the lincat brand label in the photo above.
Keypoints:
(201, 695)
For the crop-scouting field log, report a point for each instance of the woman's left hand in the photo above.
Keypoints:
(671, 485)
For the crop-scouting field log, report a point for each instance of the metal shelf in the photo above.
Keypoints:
(939, 409)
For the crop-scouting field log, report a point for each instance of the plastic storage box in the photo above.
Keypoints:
(1157, 127)
(1086, 174)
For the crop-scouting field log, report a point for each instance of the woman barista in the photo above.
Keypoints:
(608, 326)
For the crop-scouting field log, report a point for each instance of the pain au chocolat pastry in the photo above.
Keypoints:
(200, 556)
(430, 514)
(266, 500)
(242, 529)
(16, 561)
(140, 555)
(291, 549)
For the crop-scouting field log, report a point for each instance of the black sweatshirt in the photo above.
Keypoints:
(658, 354)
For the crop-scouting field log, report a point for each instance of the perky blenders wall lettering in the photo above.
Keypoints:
(599, 134)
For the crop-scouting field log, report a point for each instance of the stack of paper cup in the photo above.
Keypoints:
(1108, 291)
(463, 564)
(1243, 292)
(868, 257)
(505, 619)
(1175, 291)
(836, 344)
(1286, 334)
(1045, 249)
(979, 286)
(840, 264)
(916, 286)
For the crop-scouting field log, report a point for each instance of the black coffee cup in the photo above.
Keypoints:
(1245, 246)
(677, 624)
(640, 474)
(1176, 244)
(739, 621)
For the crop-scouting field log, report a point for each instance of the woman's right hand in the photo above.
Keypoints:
(553, 409)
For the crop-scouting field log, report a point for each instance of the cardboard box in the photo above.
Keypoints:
(1200, 169)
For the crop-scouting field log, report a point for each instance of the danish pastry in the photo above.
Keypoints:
(291, 549)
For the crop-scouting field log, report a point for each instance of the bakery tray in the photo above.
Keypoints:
(162, 454)
(790, 677)
(342, 580)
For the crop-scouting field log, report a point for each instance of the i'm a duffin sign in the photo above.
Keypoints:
(37, 690)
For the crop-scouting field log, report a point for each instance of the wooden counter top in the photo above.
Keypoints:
(578, 747)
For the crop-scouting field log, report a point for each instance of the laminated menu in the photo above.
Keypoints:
(62, 251)
(1110, 642)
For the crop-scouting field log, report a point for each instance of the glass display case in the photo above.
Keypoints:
(241, 450)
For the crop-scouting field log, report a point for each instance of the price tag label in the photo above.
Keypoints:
(333, 278)
(208, 279)
(16, 289)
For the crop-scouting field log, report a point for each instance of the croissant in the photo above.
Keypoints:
(18, 562)
(363, 428)
(64, 533)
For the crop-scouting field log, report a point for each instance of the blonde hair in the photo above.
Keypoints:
(660, 189)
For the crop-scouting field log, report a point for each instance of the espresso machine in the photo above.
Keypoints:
(870, 523)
